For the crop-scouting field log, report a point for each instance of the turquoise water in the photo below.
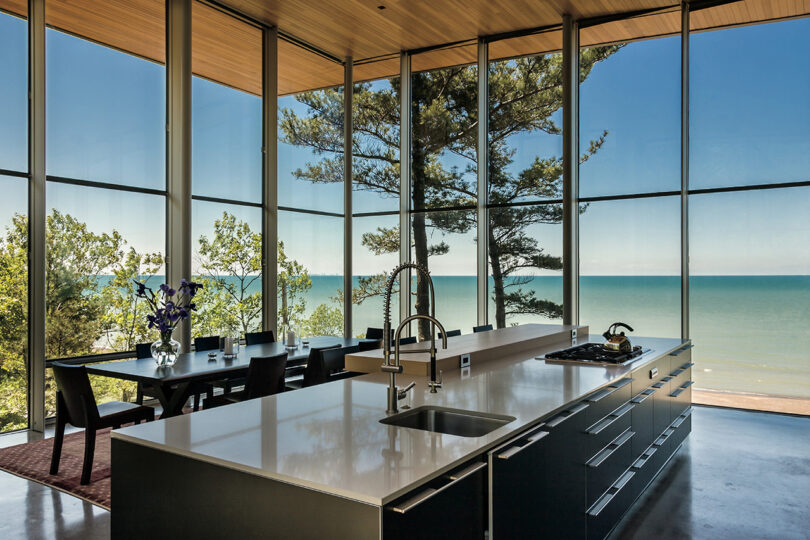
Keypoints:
(751, 333)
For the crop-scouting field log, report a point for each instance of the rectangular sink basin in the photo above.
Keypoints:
(450, 421)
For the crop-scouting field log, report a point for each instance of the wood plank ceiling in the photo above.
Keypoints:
(228, 50)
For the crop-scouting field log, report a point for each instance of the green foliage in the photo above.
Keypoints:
(525, 94)
(325, 321)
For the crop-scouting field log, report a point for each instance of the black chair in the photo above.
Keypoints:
(257, 338)
(265, 377)
(407, 340)
(451, 333)
(374, 333)
(329, 365)
(312, 368)
(76, 405)
(142, 350)
(482, 328)
(207, 343)
(369, 345)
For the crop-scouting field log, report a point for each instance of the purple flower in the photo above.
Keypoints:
(171, 292)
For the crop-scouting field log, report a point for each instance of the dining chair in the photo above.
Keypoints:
(265, 377)
(482, 328)
(407, 340)
(369, 345)
(76, 405)
(201, 344)
(312, 367)
(374, 333)
(258, 338)
(206, 343)
(143, 350)
(329, 365)
(451, 333)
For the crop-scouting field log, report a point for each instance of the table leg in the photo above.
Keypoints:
(171, 398)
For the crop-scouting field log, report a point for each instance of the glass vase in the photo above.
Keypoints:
(165, 350)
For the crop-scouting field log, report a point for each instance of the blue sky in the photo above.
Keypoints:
(749, 124)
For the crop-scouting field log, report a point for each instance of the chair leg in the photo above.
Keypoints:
(89, 451)
(59, 436)
(139, 395)
(196, 402)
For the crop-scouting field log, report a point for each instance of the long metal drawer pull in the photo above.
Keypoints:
(681, 388)
(643, 395)
(431, 492)
(687, 365)
(559, 419)
(677, 372)
(518, 449)
(683, 416)
(659, 385)
(623, 479)
(605, 392)
(615, 415)
(645, 458)
(608, 451)
(605, 499)
(680, 351)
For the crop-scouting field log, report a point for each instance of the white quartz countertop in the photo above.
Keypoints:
(329, 437)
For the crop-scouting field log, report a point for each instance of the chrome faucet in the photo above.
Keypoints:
(394, 394)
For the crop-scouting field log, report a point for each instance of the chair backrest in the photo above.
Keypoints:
(143, 350)
(76, 392)
(257, 338)
(207, 343)
(265, 375)
(369, 345)
(451, 333)
(374, 333)
(407, 340)
(482, 328)
(313, 373)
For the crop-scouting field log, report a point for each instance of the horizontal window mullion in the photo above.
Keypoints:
(312, 212)
(650, 195)
(731, 189)
(442, 209)
(18, 174)
(103, 185)
(219, 200)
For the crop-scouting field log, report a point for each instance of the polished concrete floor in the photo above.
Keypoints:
(740, 475)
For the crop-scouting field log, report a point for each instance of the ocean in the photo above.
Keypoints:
(751, 333)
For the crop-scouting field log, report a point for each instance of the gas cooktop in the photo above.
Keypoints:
(594, 353)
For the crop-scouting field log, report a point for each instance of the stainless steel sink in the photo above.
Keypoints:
(450, 421)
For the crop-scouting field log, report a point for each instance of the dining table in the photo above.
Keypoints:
(171, 384)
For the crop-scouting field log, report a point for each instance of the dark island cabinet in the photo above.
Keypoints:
(537, 482)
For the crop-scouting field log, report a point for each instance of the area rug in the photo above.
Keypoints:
(33, 461)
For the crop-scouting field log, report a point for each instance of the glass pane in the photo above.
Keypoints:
(750, 291)
(748, 105)
(13, 93)
(444, 109)
(375, 253)
(525, 265)
(310, 150)
(226, 106)
(99, 241)
(13, 295)
(630, 118)
(444, 243)
(310, 270)
(106, 114)
(375, 163)
(525, 136)
(227, 260)
(630, 265)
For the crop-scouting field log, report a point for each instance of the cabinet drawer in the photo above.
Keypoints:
(680, 399)
(680, 358)
(682, 426)
(605, 513)
(650, 374)
(600, 433)
(603, 401)
(642, 420)
(605, 467)
(451, 506)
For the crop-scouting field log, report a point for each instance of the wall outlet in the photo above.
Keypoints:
(465, 373)
(573, 334)
(465, 360)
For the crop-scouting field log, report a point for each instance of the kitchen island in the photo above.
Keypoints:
(578, 445)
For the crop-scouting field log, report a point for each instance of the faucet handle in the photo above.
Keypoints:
(403, 393)
(434, 385)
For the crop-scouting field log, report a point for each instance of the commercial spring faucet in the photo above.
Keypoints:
(394, 394)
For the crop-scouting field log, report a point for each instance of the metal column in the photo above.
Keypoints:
(405, 181)
(348, 95)
(685, 170)
(178, 149)
(270, 180)
(483, 181)
(36, 215)
(570, 170)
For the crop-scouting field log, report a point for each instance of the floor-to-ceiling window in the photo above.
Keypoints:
(444, 138)
(375, 200)
(105, 164)
(749, 251)
(524, 244)
(14, 220)
(629, 178)
(311, 208)
(226, 172)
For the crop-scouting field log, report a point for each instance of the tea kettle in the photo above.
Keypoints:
(617, 341)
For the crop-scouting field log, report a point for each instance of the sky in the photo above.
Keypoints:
(749, 119)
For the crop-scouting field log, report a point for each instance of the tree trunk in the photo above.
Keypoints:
(284, 318)
(497, 282)
(420, 237)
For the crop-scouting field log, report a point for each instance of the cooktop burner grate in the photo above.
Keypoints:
(594, 352)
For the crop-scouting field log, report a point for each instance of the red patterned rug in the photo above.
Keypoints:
(33, 461)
